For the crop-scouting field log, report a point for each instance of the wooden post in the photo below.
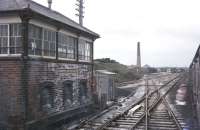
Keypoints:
(146, 104)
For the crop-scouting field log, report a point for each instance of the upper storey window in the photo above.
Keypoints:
(35, 40)
(42, 42)
(66, 46)
(84, 50)
(10, 38)
(49, 41)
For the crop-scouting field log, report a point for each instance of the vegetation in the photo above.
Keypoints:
(124, 74)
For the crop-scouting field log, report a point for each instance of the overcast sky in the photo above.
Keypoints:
(169, 30)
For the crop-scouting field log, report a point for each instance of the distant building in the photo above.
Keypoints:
(46, 67)
(148, 69)
(105, 87)
(132, 66)
(169, 70)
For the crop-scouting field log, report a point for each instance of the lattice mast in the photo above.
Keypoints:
(80, 8)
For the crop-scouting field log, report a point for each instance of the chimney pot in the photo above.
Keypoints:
(49, 3)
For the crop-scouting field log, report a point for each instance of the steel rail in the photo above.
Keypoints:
(138, 102)
(136, 81)
(153, 105)
(88, 121)
(172, 114)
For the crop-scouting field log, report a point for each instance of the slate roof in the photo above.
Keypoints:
(8, 5)
(14, 5)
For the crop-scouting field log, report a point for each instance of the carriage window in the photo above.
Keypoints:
(35, 40)
(68, 92)
(66, 46)
(46, 98)
(84, 50)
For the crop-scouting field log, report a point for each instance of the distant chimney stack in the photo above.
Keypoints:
(138, 55)
(49, 3)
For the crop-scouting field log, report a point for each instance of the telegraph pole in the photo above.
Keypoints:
(80, 8)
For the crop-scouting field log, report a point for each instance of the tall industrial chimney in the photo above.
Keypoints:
(49, 3)
(138, 55)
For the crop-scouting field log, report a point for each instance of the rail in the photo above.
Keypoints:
(172, 114)
(153, 106)
(139, 101)
(136, 81)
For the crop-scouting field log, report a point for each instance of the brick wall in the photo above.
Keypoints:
(57, 73)
(12, 102)
(11, 96)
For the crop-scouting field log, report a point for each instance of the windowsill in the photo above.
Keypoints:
(35, 57)
(10, 55)
(46, 57)
(66, 59)
(85, 61)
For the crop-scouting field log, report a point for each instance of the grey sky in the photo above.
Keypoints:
(169, 30)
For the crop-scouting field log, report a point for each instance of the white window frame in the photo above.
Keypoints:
(32, 55)
(42, 56)
(68, 59)
(49, 57)
(90, 50)
(8, 41)
(15, 37)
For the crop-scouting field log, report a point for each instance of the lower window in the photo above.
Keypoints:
(46, 98)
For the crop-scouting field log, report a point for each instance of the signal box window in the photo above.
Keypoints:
(67, 46)
(10, 38)
(35, 40)
(84, 50)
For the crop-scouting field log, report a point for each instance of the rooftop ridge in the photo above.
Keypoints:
(14, 5)
(58, 13)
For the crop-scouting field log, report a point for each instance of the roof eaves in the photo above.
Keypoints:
(17, 5)
(58, 17)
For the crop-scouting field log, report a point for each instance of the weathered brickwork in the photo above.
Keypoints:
(12, 96)
(46, 65)
(57, 73)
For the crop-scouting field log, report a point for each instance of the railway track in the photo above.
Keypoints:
(136, 81)
(143, 115)
(160, 117)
